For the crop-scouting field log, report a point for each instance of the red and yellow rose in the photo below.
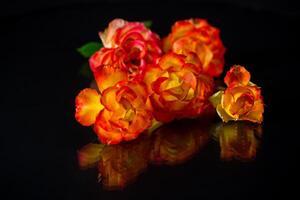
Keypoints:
(241, 100)
(197, 36)
(120, 113)
(179, 88)
(128, 48)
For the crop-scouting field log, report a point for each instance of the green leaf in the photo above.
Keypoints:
(88, 49)
(148, 23)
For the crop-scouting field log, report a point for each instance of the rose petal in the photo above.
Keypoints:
(141, 122)
(109, 135)
(171, 60)
(222, 113)
(180, 28)
(108, 34)
(205, 54)
(152, 73)
(109, 99)
(88, 106)
(158, 110)
(109, 76)
(237, 75)
(256, 113)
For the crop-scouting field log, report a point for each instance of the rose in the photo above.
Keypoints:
(121, 113)
(199, 37)
(128, 48)
(179, 89)
(126, 113)
(241, 100)
(237, 75)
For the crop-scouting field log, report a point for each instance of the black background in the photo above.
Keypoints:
(40, 79)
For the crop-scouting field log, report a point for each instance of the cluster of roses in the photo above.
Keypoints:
(143, 80)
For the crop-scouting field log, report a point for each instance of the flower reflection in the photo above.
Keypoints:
(238, 140)
(120, 164)
(171, 144)
(177, 142)
(88, 156)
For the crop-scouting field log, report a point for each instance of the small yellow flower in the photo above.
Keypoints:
(241, 100)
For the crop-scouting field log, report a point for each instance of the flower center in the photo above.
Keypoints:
(242, 105)
(129, 110)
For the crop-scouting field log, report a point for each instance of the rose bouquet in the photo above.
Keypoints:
(144, 81)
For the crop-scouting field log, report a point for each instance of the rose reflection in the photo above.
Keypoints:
(177, 142)
(121, 164)
(171, 144)
(238, 140)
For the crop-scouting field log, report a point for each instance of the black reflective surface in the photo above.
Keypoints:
(171, 144)
(40, 79)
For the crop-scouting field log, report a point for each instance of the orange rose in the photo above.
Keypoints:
(241, 100)
(238, 140)
(179, 89)
(125, 114)
(122, 113)
(128, 48)
(199, 37)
